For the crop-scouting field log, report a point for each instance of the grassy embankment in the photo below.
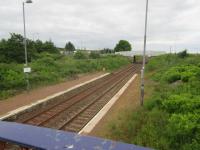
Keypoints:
(53, 68)
(170, 118)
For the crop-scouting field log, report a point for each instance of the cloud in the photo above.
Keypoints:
(97, 24)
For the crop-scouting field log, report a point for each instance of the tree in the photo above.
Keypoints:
(107, 50)
(183, 54)
(3, 46)
(123, 45)
(69, 47)
(38, 46)
(12, 49)
(49, 46)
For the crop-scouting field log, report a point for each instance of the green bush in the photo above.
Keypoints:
(183, 103)
(183, 130)
(183, 54)
(80, 55)
(182, 72)
(185, 76)
(11, 76)
(94, 55)
(172, 76)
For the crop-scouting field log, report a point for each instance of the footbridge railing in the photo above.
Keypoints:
(31, 137)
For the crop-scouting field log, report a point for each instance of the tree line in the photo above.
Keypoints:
(122, 45)
(12, 49)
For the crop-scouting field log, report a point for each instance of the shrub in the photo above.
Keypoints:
(94, 55)
(183, 54)
(172, 76)
(183, 130)
(80, 55)
(183, 72)
(183, 103)
(185, 76)
(11, 76)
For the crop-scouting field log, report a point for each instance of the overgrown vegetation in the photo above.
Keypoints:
(81, 55)
(48, 65)
(51, 68)
(94, 55)
(170, 119)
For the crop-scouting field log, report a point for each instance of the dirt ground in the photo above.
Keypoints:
(129, 100)
(40, 93)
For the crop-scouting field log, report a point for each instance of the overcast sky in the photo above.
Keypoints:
(97, 24)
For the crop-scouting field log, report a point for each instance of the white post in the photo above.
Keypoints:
(25, 46)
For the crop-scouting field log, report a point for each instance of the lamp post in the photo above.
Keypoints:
(144, 55)
(26, 69)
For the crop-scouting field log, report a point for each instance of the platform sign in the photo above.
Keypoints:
(27, 70)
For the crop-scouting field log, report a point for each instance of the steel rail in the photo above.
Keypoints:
(95, 101)
(74, 102)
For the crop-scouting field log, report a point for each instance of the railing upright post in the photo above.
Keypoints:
(2, 145)
(22, 148)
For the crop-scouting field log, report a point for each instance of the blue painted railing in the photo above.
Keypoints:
(48, 139)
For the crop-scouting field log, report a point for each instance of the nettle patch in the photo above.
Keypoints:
(179, 73)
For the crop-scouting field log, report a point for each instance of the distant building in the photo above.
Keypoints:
(139, 53)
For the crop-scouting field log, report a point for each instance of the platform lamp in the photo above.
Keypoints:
(27, 69)
(144, 55)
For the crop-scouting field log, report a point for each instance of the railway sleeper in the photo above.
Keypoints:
(35, 121)
(91, 111)
(86, 116)
(75, 125)
(79, 121)
(83, 118)
(44, 116)
(71, 129)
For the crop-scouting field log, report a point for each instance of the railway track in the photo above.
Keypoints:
(73, 113)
